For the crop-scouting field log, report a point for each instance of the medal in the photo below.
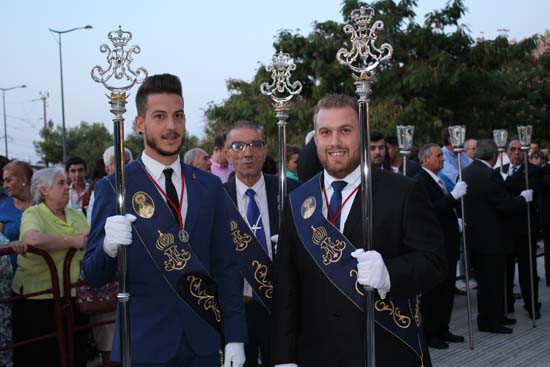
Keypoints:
(183, 235)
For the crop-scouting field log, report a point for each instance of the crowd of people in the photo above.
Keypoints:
(201, 282)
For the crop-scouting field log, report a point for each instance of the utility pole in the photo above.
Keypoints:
(43, 97)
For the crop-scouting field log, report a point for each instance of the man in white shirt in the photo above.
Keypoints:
(318, 317)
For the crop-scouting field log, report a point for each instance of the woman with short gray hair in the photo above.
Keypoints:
(51, 226)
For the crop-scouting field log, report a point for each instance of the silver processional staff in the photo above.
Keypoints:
(525, 133)
(118, 78)
(405, 136)
(363, 59)
(458, 136)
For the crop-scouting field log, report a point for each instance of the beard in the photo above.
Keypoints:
(153, 144)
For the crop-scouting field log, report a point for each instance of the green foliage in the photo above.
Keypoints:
(87, 141)
(438, 76)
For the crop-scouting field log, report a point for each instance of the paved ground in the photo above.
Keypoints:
(526, 346)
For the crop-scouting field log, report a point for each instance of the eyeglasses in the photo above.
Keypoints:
(239, 146)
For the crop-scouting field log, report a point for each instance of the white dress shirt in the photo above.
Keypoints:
(155, 169)
(261, 201)
(353, 180)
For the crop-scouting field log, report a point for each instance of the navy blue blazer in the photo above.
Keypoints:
(160, 322)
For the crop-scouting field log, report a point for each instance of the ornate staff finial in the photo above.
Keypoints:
(405, 135)
(281, 90)
(500, 136)
(457, 134)
(524, 134)
(364, 57)
(119, 64)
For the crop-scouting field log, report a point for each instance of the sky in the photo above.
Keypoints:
(205, 43)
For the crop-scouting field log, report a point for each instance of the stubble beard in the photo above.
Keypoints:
(153, 145)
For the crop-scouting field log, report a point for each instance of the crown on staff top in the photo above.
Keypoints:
(119, 38)
(281, 61)
(362, 16)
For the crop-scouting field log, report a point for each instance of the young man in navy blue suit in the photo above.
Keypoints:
(183, 276)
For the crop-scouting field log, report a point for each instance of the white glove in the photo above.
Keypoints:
(286, 365)
(371, 271)
(460, 225)
(527, 195)
(461, 188)
(118, 231)
(234, 355)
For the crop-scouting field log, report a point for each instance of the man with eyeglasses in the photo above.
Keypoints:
(515, 184)
(255, 195)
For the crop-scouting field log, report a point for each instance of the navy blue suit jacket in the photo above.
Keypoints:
(160, 322)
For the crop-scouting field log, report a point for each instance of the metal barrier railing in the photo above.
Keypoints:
(59, 333)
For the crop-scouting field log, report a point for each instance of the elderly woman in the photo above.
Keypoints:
(50, 226)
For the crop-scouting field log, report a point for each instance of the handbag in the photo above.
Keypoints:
(94, 300)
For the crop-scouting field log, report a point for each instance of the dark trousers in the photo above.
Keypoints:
(259, 330)
(521, 253)
(490, 288)
(546, 232)
(437, 305)
(32, 318)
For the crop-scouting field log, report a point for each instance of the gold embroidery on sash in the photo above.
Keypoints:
(176, 259)
(260, 275)
(353, 273)
(404, 322)
(333, 251)
(207, 301)
(241, 241)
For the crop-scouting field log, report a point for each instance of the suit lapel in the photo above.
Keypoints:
(194, 190)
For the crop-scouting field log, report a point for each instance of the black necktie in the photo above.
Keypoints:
(171, 192)
(336, 201)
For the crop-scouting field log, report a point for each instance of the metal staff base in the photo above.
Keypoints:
(526, 346)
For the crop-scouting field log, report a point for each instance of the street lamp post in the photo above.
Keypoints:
(4, 90)
(59, 33)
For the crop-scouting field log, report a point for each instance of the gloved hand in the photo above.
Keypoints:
(527, 195)
(460, 226)
(371, 271)
(461, 188)
(286, 365)
(234, 355)
(118, 232)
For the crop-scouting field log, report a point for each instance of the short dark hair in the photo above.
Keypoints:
(334, 101)
(75, 161)
(219, 140)
(291, 149)
(486, 149)
(376, 135)
(156, 84)
(392, 140)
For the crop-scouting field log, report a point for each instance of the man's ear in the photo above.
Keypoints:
(138, 124)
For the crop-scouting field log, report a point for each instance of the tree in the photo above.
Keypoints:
(438, 76)
(87, 141)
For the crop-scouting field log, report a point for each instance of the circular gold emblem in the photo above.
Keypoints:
(143, 205)
(308, 207)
